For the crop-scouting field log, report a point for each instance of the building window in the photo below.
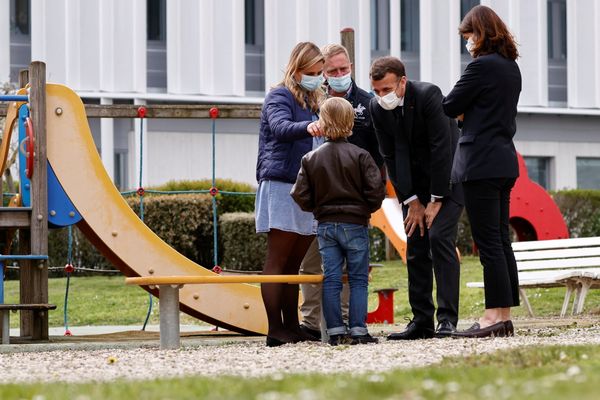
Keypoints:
(380, 28)
(588, 173)
(254, 17)
(409, 37)
(156, 52)
(465, 7)
(20, 37)
(538, 170)
(557, 51)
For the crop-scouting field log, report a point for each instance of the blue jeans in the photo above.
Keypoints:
(339, 242)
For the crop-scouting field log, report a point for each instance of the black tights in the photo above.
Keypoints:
(285, 251)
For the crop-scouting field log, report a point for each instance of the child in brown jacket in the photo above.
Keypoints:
(341, 184)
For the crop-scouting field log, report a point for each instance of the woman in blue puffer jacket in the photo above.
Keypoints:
(288, 129)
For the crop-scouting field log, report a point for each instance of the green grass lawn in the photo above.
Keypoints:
(528, 373)
(108, 301)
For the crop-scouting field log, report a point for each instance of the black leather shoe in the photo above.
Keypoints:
(445, 329)
(336, 340)
(272, 342)
(412, 332)
(510, 329)
(475, 331)
(363, 339)
(312, 332)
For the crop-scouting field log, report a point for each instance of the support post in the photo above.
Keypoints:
(34, 279)
(347, 39)
(168, 296)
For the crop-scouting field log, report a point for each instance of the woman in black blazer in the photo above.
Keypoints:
(485, 100)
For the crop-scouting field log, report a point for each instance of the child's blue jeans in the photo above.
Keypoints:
(339, 242)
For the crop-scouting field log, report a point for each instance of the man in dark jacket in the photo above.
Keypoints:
(417, 142)
(338, 72)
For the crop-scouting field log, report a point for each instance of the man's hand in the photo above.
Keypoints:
(415, 217)
(431, 212)
(314, 129)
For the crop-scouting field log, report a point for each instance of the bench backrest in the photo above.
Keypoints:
(557, 254)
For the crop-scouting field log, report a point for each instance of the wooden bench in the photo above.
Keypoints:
(5, 310)
(571, 263)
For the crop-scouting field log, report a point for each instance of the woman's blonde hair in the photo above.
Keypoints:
(304, 55)
(336, 118)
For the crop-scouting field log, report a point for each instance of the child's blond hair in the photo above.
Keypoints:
(336, 118)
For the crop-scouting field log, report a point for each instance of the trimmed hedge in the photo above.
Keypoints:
(581, 211)
(185, 222)
(226, 203)
(243, 248)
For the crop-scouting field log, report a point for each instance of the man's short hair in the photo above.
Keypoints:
(336, 118)
(384, 65)
(334, 49)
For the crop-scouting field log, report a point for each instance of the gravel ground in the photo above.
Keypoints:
(250, 358)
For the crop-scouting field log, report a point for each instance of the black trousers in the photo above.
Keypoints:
(487, 202)
(435, 253)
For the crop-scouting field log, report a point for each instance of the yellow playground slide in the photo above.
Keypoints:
(112, 226)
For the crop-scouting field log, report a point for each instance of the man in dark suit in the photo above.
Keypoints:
(417, 142)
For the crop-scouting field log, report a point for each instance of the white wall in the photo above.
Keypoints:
(288, 22)
(205, 47)
(91, 45)
(189, 156)
(4, 41)
(583, 58)
(440, 42)
(528, 22)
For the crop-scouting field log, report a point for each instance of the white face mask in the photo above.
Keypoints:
(389, 101)
(470, 45)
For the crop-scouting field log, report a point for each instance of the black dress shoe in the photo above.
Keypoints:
(311, 332)
(273, 342)
(336, 340)
(363, 339)
(475, 331)
(510, 329)
(445, 329)
(412, 332)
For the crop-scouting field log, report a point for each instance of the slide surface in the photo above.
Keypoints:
(390, 220)
(111, 225)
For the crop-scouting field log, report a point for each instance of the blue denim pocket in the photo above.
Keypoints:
(356, 236)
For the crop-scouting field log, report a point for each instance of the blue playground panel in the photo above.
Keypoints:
(61, 211)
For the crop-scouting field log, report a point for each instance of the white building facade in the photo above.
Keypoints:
(232, 51)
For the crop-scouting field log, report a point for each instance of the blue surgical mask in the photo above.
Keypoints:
(311, 83)
(340, 84)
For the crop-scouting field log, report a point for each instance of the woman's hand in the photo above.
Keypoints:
(314, 129)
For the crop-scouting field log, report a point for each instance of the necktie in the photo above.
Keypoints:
(402, 156)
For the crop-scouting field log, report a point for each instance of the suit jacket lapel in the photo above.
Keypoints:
(409, 110)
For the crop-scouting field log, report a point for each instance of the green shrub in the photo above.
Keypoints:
(581, 211)
(84, 254)
(377, 245)
(226, 203)
(243, 248)
(184, 221)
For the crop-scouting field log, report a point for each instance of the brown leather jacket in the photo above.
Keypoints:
(339, 182)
